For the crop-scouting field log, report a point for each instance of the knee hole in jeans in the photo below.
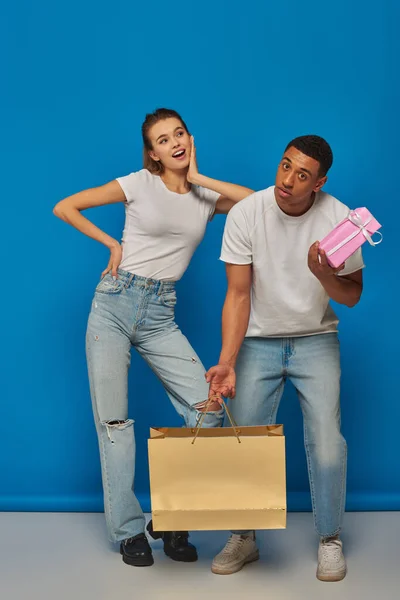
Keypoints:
(116, 424)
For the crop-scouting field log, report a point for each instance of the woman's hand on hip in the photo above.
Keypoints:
(114, 262)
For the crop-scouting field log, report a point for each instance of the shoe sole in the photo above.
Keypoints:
(179, 558)
(252, 558)
(332, 578)
(136, 562)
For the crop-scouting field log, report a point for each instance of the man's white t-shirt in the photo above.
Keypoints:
(162, 228)
(287, 300)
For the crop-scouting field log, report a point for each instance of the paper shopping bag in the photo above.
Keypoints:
(226, 478)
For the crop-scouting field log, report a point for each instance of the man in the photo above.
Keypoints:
(277, 324)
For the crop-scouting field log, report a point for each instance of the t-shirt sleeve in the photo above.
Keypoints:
(236, 242)
(354, 263)
(211, 198)
(129, 184)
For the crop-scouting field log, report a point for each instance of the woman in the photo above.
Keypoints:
(168, 205)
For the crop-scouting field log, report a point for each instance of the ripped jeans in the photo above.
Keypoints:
(139, 312)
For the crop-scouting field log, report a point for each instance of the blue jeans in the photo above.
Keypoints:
(139, 312)
(312, 364)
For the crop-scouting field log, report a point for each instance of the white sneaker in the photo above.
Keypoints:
(239, 550)
(331, 561)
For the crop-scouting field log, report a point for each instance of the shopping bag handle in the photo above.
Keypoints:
(203, 414)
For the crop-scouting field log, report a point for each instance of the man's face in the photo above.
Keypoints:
(296, 179)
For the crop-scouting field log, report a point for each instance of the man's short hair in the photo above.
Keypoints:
(315, 147)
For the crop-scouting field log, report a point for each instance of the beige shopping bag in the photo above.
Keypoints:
(217, 478)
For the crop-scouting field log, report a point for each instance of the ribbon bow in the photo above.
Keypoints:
(355, 218)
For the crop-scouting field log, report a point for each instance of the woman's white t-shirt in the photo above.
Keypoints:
(162, 228)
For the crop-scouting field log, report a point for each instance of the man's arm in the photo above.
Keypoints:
(346, 289)
(235, 319)
(343, 289)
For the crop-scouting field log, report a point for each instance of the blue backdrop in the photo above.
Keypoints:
(78, 80)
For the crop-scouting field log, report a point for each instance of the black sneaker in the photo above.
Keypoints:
(176, 544)
(136, 551)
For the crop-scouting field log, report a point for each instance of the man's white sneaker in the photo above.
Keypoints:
(239, 550)
(331, 561)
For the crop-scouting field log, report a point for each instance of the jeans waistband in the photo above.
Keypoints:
(153, 285)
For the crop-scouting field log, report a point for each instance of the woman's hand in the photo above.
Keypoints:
(114, 262)
(193, 170)
(229, 193)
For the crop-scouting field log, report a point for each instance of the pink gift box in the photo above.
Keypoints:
(349, 235)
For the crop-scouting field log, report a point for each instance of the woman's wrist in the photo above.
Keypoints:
(196, 179)
(111, 243)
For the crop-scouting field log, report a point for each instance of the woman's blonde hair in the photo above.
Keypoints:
(155, 166)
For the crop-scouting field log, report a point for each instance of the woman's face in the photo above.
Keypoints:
(171, 144)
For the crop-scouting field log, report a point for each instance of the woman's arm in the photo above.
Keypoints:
(69, 210)
(230, 193)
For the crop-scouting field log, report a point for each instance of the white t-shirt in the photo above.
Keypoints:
(162, 228)
(287, 300)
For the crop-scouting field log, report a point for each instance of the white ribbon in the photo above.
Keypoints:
(355, 218)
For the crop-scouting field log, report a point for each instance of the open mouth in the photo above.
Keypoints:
(179, 154)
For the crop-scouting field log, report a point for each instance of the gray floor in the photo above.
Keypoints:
(66, 556)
